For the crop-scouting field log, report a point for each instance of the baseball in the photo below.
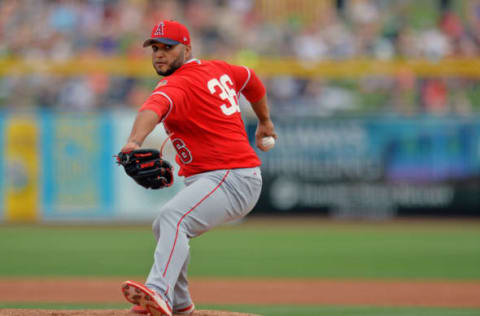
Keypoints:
(268, 142)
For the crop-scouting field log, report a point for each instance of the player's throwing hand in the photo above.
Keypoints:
(264, 129)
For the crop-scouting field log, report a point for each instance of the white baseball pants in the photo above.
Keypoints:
(208, 200)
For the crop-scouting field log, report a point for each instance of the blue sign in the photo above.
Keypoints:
(373, 166)
(77, 164)
(421, 149)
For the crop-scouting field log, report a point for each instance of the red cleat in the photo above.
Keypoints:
(150, 301)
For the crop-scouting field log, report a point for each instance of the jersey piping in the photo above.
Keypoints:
(169, 108)
(246, 81)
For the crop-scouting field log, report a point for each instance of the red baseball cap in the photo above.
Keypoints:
(169, 33)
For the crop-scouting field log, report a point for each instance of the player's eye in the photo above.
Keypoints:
(154, 48)
(168, 47)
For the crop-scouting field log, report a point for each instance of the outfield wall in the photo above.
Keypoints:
(60, 167)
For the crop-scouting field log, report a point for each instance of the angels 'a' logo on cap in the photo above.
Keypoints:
(160, 29)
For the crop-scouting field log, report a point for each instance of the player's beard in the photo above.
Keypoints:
(177, 63)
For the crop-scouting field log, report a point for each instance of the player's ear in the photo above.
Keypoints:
(188, 52)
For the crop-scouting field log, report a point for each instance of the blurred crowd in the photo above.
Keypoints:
(309, 30)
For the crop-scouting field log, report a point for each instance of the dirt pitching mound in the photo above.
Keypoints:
(103, 312)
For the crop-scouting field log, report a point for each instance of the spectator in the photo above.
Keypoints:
(311, 31)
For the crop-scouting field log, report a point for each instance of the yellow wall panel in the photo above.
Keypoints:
(21, 159)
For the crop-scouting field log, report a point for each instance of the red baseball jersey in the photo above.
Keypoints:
(198, 105)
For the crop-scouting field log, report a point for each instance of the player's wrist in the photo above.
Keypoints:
(136, 142)
(264, 120)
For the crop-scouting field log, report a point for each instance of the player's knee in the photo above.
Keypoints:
(167, 216)
(160, 220)
(191, 227)
(170, 218)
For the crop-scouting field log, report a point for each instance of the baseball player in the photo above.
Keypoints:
(197, 102)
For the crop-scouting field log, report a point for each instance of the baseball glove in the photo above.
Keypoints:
(147, 168)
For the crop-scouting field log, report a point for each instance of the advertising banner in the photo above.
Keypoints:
(373, 167)
(77, 165)
(59, 166)
(20, 169)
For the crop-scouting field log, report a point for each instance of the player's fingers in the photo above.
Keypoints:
(258, 138)
(261, 133)
(259, 145)
(258, 142)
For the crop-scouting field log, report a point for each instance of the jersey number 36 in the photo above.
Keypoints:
(224, 89)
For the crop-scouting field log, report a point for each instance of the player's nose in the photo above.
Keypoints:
(159, 54)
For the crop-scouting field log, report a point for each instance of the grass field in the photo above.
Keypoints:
(302, 249)
(290, 248)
